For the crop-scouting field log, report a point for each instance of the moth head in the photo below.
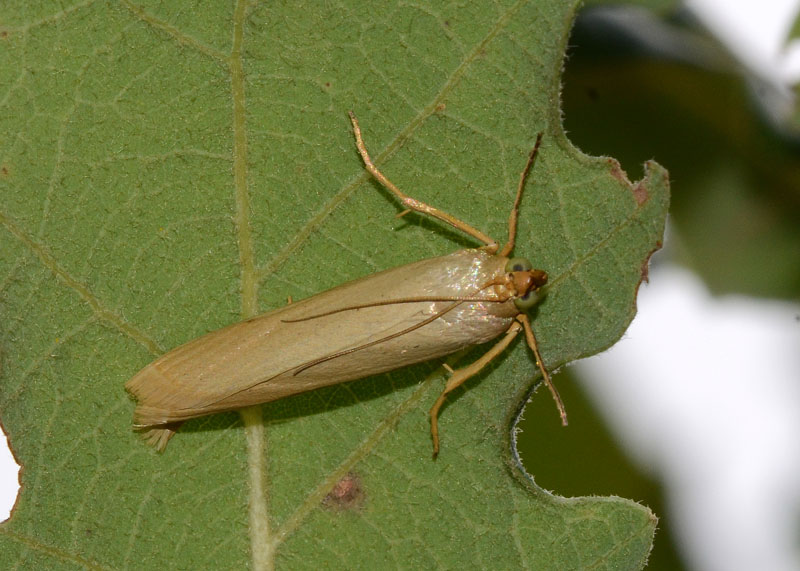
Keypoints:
(527, 282)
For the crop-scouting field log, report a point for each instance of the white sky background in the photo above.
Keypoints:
(704, 393)
(755, 31)
(8, 479)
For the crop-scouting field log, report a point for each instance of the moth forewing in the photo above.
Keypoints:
(257, 360)
(384, 321)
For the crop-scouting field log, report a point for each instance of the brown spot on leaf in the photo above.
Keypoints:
(348, 494)
(640, 194)
(617, 172)
(645, 269)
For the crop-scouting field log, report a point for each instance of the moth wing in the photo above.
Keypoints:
(257, 360)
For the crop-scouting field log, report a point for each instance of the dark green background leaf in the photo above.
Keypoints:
(167, 170)
(726, 136)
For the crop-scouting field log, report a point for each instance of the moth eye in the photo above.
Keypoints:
(527, 301)
(518, 265)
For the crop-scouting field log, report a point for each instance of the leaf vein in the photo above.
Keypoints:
(83, 291)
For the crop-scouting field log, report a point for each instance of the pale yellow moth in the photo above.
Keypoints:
(378, 323)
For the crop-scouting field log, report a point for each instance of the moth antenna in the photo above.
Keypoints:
(414, 327)
(353, 349)
(394, 302)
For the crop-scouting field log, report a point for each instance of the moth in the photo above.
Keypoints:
(409, 314)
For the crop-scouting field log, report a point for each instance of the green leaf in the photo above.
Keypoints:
(167, 170)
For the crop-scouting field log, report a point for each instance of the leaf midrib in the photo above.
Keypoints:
(264, 545)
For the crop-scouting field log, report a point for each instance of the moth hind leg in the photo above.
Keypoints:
(411, 203)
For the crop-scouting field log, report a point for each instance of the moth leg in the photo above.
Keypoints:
(411, 203)
(460, 376)
(531, 339)
(512, 218)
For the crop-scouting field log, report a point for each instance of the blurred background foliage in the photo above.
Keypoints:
(644, 80)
